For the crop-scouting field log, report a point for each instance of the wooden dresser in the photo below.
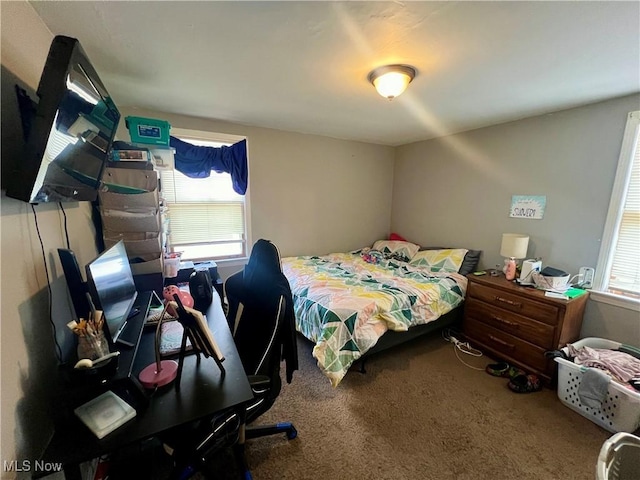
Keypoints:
(518, 324)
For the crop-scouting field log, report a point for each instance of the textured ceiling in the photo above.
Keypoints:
(303, 66)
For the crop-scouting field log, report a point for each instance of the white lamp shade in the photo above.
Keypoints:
(514, 245)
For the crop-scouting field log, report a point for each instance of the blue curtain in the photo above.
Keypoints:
(197, 162)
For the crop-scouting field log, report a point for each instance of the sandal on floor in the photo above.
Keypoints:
(525, 383)
(497, 369)
(503, 369)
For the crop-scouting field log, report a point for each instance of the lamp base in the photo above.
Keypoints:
(151, 377)
(510, 269)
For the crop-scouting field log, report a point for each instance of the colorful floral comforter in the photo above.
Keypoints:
(344, 302)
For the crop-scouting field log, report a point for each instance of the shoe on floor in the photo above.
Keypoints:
(497, 369)
(525, 383)
(503, 369)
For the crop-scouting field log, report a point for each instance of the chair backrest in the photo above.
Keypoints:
(257, 301)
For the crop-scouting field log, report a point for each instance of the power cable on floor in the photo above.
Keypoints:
(459, 346)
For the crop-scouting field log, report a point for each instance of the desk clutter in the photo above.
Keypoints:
(187, 332)
(92, 343)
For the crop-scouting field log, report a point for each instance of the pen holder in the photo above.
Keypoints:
(92, 346)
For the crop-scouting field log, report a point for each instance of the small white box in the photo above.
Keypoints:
(526, 272)
(105, 413)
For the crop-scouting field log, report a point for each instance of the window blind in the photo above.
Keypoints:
(625, 267)
(191, 224)
(202, 210)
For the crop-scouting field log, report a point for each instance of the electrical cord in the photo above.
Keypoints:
(46, 271)
(66, 231)
(459, 346)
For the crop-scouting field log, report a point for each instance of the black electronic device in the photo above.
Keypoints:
(77, 286)
(68, 131)
(201, 289)
(114, 292)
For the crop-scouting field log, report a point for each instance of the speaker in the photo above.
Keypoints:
(77, 286)
(201, 289)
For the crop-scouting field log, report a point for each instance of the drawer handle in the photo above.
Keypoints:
(508, 302)
(502, 342)
(505, 322)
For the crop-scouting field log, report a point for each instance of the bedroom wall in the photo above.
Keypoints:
(457, 191)
(309, 194)
(26, 342)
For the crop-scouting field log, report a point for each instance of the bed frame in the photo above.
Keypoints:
(392, 339)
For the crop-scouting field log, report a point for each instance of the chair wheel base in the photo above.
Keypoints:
(292, 433)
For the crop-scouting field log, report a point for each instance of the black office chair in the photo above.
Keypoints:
(261, 319)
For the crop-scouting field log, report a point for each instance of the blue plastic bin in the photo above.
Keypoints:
(149, 131)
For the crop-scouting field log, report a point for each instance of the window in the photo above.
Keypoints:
(618, 269)
(207, 218)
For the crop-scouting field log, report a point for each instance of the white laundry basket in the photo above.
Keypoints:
(619, 458)
(620, 411)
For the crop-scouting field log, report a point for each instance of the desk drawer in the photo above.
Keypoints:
(538, 333)
(509, 346)
(524, 306)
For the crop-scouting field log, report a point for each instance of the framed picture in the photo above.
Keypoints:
(528, 206)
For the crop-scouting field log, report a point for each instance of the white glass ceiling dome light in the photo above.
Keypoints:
(391, 80)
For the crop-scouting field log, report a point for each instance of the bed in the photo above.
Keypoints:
(356, 303)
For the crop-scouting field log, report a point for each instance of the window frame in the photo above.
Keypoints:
(229, 139)
(630, 142)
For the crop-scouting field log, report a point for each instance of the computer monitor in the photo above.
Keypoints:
(113, 290)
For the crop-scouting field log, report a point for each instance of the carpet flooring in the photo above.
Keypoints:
(417, 413)
(420, 413)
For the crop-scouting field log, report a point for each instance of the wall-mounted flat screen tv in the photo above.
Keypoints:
(69, 130)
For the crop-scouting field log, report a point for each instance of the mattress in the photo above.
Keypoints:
(344, 302)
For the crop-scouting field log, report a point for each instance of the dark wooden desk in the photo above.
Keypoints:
(203, 392)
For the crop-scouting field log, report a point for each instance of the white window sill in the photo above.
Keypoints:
(616, 300)
(231, 262)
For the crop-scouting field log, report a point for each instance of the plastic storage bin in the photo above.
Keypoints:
(149, 131)
(619, 458)
(620, 411)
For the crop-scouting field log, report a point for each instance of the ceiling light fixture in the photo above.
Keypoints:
(391, 80)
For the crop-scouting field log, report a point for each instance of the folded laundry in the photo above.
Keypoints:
(593, 388)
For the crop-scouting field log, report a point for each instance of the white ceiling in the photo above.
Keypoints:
(303, 66)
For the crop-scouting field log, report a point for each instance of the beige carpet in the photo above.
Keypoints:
(419, 413)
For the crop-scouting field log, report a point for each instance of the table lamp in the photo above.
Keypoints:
(514, 246)
(161, 372)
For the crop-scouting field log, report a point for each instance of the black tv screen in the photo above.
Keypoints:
(69, 133)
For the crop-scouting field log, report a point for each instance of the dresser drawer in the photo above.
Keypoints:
(524, 306)
(525, 328)
(506, 344)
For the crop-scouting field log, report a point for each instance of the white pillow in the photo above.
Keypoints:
(398, 248)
